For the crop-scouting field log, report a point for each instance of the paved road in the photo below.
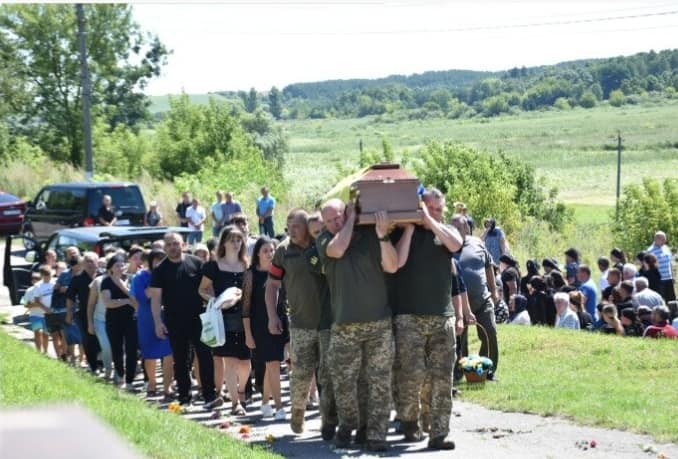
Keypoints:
(478, 432)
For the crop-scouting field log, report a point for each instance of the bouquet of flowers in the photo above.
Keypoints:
(475, 367)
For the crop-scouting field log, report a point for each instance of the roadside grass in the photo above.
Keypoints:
(27, 378)
(594, 379)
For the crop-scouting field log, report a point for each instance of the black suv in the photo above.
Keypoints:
(68, 205)
(24, 255)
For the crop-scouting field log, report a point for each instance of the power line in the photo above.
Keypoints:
(480, 28)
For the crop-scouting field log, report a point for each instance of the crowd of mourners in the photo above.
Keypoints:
(370, 317)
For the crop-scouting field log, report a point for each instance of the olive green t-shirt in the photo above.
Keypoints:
(424, 284)
(307, 292)
(356, 280)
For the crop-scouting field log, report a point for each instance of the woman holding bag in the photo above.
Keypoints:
(269, 348)
(232, 360)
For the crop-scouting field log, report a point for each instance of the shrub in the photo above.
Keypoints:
(616, 98)
(645, 209)
(588, 100)
(490, 185)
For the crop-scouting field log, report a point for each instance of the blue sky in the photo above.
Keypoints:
(236, 45)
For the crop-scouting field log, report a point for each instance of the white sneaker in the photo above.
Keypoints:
(267, 411)
(280, 415)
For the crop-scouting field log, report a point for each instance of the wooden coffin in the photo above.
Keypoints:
(387, 187)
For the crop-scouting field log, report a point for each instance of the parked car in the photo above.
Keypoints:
(69, 205)
(24, 255)
(12, 209)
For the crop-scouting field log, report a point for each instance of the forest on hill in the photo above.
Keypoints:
(465, 93)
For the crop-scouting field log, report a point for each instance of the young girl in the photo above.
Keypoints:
(121, 325)
(269, 348)
(38, 300)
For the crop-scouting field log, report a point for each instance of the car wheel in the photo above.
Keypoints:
(29, 239)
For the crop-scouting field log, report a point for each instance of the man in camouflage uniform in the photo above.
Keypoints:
(425, 321)
(297, 266)
(355, 259)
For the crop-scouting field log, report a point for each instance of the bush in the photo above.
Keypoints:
(490, 185)
(561, 103)
(588, 100)
(616, 98)
(645, 209)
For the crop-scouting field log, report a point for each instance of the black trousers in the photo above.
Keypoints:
(121, 328)
(184, 333)
(668, 292)
(89, 342)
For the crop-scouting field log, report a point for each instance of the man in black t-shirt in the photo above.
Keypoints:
(174, 285)
(425, 321)
(182, 207)
(106, 214)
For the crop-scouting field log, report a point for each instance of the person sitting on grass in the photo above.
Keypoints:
(630, 322)
(645, 296)
(612, 323)
(518, 314)
(37, 300)
(661, 327)
(565, 316)
(644, 315)
(577, 301)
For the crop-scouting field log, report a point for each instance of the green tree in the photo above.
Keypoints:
(644, 209)
(616, 98)
(491, 185)
(588, 100)
(274, 103)
(43, 40)
(251, 102)
(190, 134)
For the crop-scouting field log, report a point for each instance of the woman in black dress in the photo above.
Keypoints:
(232, 360)
(268, 348)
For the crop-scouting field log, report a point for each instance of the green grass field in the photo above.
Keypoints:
(160, 104)
(573, 150)
(28, 378)
(600, 380)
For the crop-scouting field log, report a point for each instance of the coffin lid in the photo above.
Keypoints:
(386, 171)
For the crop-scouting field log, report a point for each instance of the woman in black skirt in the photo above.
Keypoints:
(269, 348)
(232, 360)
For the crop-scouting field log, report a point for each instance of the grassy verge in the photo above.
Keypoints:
(599, 380)
(27, 378)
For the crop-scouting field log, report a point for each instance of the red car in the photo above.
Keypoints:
(12, 210)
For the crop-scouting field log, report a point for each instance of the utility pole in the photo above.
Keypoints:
(86, 92)
(619, 151)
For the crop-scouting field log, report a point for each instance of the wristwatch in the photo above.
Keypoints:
(385, 238)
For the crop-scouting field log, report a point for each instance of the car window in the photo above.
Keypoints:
(5, 197)
(65, 199)
(62, 242)
(125, 198)
(41, 200)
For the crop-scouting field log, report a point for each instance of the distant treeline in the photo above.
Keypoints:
(464, 93)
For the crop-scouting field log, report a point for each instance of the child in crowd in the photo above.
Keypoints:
(38, 300)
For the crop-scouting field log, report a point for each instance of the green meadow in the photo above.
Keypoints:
(574, 150)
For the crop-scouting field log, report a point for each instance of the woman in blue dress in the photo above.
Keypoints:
(152, 348)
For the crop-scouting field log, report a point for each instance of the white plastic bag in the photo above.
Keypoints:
(228, 298)
(213, 333)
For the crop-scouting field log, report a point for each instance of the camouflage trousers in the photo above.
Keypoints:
(328, 406)
(308, 350)
(425, 354)
(363, 351)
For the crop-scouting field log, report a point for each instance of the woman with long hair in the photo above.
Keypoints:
(232, 360)
(268, 348)
(651, 272)
(152, 347)
(121, 326)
